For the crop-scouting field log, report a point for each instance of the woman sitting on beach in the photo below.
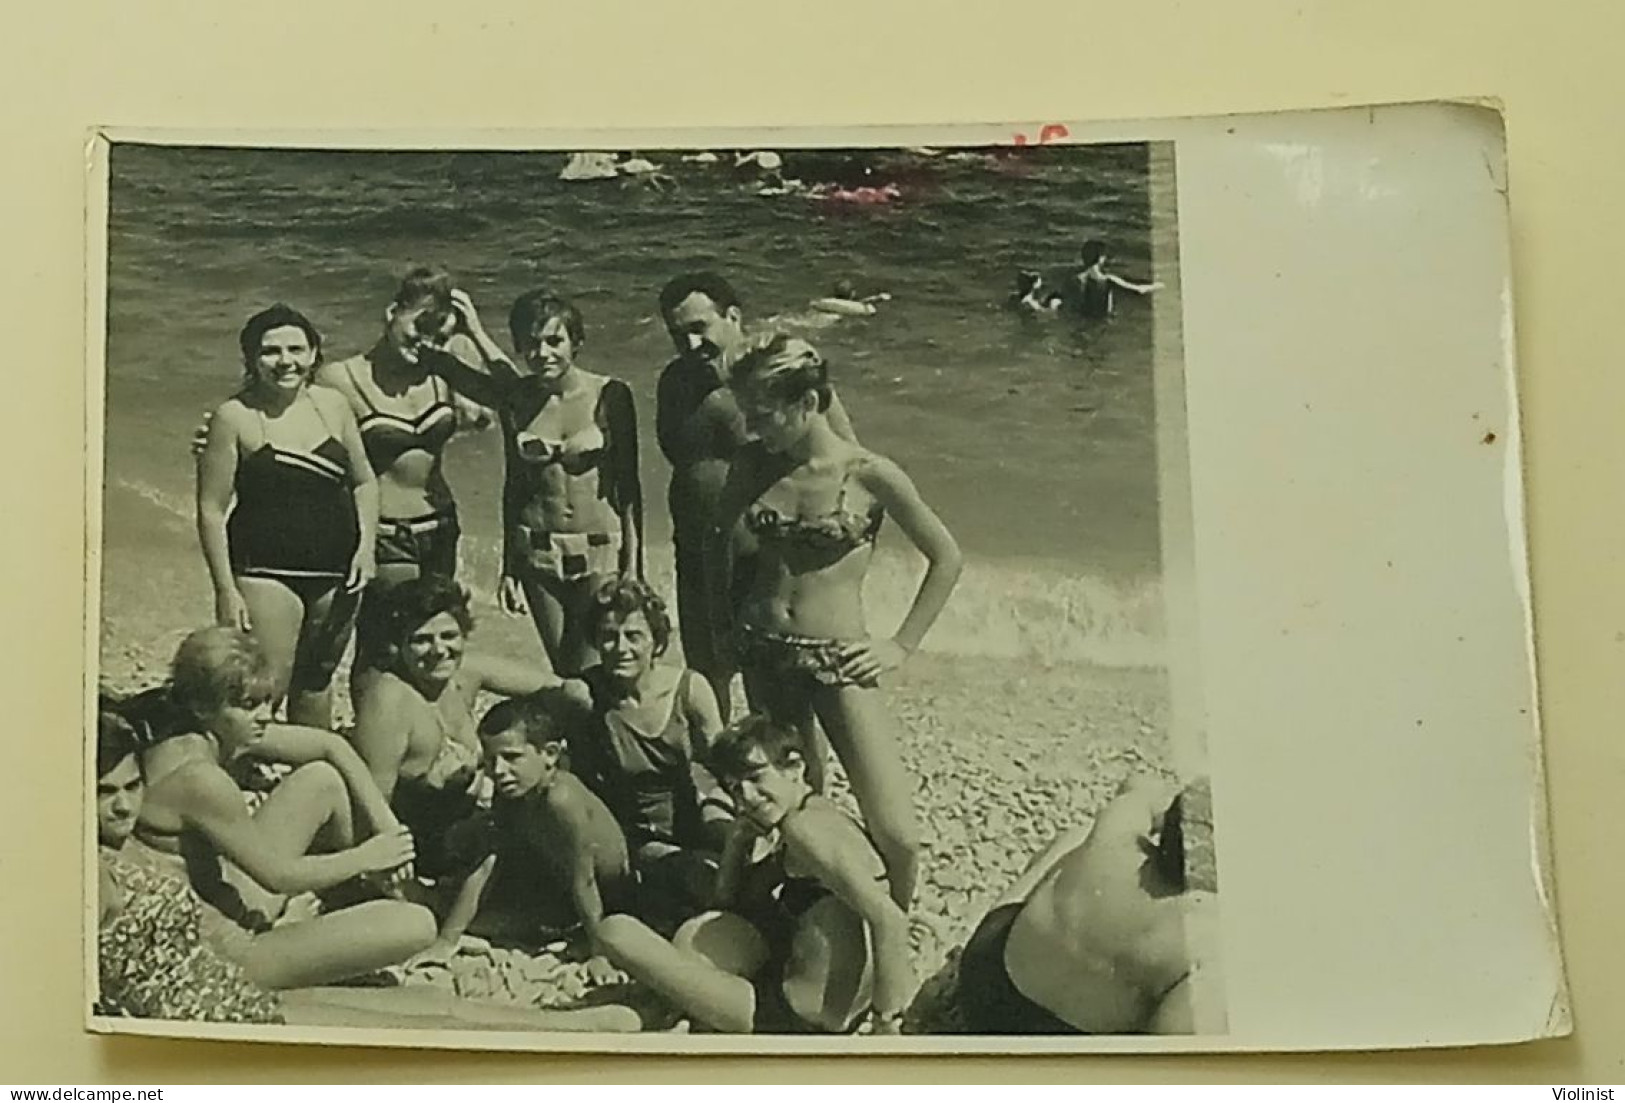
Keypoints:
(1109, 931)
(155, 963)
(324, 825)
(287, 508)
(415, 729)
(572, 502)
(813, 503)
(653, 726)
(406, 416)
(807, 938)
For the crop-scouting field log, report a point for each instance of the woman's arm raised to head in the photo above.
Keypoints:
(844, 861)
(895, 491)
(838, 418)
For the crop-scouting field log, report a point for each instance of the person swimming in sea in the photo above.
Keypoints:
(1032, 296)
(1093, 293)
(845, 300)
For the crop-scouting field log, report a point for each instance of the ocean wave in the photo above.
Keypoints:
(1044, 612)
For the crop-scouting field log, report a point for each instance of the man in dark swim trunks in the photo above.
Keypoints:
(1110, 931)
(699, 427)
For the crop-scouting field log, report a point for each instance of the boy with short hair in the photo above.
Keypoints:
(543, 816)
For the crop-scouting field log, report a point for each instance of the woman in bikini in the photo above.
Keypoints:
(287, 508)
(812, 504)
(415, 729)
(572, 502)
(807, 939)
(324, 825)
(653, 726)
(406, 415)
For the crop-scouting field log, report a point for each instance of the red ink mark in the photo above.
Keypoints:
(1489, 438)
(1050, 132)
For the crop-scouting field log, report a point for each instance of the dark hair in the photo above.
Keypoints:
(783, 368)
(712, 286)
(272, 317)
(116, 740)
(549, 716)
(534, 309)
(404, 608)
(1185, 855)
(424, 284)
(844, 289)
(215, 667)
(729, 755)
(621, 597)
(1093, 250)
(1027, 281)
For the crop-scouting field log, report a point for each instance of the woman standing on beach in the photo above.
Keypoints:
(813, 503)
(572, 502)
(323, 825)
(406, 415)
(287, 510)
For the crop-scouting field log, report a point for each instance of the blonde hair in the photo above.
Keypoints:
(215, 667)
(783, 368)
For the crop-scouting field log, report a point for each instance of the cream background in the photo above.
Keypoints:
(82, 64)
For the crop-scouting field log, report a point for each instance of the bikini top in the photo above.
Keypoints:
(577, 453)
(388, 436)
(834, 533)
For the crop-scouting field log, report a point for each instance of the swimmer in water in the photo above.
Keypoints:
(845, 300)
(1095, 288)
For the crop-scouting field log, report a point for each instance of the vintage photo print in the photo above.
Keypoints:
(713, 591)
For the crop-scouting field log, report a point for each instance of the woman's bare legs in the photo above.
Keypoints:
(328, 622)
(276, 616)
(342, 944)
(556, 607)
(308, 810)
(703, 970)
(859, 728)
(364, 671)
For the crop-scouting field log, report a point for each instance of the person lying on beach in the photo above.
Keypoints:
(415, 730)
(1094, 291)
(324, 825)
(549, 834)
(155, 963)
(1032, 296)
(652, 725)
(1110, 929)
(699, 428)
(845, 300)
(806, 938)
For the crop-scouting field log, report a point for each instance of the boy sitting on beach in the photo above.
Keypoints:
(547, 830)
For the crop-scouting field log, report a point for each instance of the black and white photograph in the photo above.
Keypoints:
(668, 590)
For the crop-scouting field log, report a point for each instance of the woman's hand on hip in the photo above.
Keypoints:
(867, 662)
